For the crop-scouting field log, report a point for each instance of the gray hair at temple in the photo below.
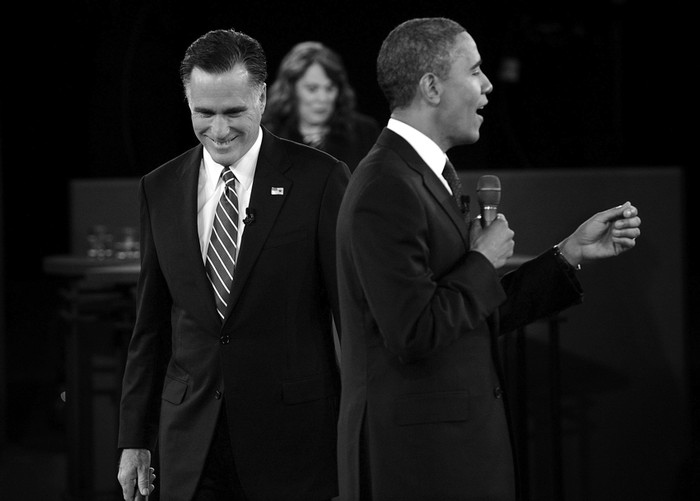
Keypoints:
(412, 49)
(219, 51)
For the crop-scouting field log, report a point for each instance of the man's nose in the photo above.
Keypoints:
(220, 126)
(488, 86)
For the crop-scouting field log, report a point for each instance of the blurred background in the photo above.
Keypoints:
(590, 107)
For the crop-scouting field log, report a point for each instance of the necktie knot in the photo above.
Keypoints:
(229, 178)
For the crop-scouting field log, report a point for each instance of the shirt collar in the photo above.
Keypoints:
(428, 149)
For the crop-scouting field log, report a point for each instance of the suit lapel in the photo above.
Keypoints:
(435, 186)
(270, 190)
(391, 140)
(187, 235)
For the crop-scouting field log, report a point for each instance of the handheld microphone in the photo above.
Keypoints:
(249, 216)
(488, 191)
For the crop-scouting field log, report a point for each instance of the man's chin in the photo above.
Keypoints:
(467, 140)
(222, 156)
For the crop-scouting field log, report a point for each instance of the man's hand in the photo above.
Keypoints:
(495, 241)
(606, 234)
(135, 474)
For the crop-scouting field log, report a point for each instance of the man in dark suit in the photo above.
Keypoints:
(238, 389)
(422, 414)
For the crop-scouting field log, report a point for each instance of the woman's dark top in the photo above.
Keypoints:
(349, 144)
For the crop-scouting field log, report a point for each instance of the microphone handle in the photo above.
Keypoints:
(488, 214)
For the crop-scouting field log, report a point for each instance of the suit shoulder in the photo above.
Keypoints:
(308, 158)
(300, 150)
(383, 160)
(193, 155)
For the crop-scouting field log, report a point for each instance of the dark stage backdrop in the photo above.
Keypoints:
(624, 413)
(90, 89)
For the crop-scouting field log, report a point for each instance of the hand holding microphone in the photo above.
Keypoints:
(493, 238)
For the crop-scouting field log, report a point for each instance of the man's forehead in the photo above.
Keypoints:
(465, 47)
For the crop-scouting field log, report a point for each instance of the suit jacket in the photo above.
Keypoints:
(422, 414)
(273, 358)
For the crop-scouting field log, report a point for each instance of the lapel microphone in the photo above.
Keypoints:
(464, 207)
(249, 216)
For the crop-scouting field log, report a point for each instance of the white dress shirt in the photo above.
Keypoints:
(211, 186)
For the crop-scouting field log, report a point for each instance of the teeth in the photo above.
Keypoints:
(220, 143)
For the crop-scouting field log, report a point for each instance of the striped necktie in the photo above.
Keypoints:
(223, 243)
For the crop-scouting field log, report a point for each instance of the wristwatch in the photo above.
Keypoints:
(560, 257)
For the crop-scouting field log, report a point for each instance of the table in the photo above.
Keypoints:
(120, 271)
(99, 304)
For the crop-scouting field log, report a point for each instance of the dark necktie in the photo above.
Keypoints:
(450, 175)
(223, 243)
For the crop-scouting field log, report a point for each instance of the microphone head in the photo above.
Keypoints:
(488, 190)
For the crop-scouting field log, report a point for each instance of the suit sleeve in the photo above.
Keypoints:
(328, 220)
(538, 288)
(149, 348)
(418, 309)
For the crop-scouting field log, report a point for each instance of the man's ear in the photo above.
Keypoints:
(430, 88)
(263, 98)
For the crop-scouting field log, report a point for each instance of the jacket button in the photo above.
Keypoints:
(217, 395)
(225, 339)
(497, 392)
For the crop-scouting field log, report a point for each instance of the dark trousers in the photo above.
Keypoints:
(365, 470)
(219, 480)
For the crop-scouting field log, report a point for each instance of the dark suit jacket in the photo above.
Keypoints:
(273, 359)
(422, 414)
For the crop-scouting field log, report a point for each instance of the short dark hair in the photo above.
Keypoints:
(412, 49)
(219, 51)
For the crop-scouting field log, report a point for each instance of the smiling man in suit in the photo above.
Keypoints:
(422, 412)
(231, 370)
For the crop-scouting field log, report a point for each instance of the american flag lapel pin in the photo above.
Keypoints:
(277, 190)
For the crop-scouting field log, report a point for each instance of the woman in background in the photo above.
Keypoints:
(312, 102)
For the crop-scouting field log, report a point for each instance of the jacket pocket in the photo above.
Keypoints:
(174, 390)
(311, 388)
